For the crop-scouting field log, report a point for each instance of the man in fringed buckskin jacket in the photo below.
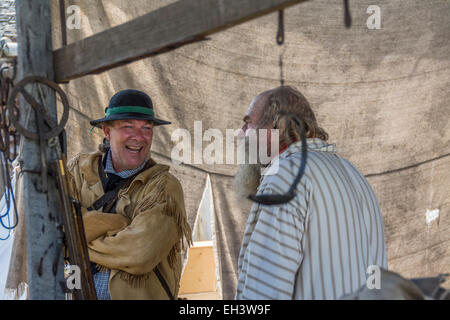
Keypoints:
(133, 208)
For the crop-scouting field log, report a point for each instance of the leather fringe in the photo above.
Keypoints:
(101, 268)
(172, 209)
(136, 281)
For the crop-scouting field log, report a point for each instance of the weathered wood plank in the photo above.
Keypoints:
(161, 30)
(42, 213)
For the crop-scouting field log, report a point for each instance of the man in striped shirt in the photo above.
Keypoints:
(320, 244)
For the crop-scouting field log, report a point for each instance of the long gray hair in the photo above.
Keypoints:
(280, 106)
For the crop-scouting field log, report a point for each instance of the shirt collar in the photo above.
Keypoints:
(109, 168)
(314, 144)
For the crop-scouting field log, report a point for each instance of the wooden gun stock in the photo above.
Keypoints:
(74, 234)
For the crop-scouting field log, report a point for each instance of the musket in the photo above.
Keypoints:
(75, 238)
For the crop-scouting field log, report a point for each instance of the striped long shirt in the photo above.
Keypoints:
(319, 245)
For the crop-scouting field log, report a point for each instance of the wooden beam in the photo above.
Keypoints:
(43, 223)
(165, 29)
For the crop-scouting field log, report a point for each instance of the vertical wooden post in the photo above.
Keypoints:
(42, 216)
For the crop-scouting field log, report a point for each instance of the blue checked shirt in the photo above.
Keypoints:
(101, 279)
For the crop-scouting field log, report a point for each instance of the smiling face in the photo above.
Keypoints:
(130, 142)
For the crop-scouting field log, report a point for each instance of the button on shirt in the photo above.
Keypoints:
(101, 279)
(320, 244)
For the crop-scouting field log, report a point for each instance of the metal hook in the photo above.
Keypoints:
(347, 16)
(280, 33)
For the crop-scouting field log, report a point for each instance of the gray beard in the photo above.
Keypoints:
(248, 176)
(246, 180)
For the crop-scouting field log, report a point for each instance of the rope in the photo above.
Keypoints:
(6, 132)
(9, 198)
(280, 42)
(347, 15)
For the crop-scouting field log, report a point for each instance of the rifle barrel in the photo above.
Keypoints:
(74, 234)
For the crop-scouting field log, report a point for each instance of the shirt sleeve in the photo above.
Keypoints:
(147, 240)
(139, 247)
(274, 253)
(97, 223)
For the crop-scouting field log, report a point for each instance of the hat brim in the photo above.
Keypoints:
(129, 116)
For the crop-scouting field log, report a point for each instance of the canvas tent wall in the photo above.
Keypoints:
(383, 96)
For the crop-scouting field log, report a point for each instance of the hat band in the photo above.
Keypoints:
(116, 110)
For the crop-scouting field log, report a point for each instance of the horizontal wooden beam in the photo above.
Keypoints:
(165, 29)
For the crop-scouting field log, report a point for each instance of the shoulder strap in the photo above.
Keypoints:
(108, 199)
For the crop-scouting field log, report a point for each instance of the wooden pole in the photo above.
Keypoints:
(42, 216)
(156, 32)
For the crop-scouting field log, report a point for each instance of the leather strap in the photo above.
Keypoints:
(163, 283)
(108, 200)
